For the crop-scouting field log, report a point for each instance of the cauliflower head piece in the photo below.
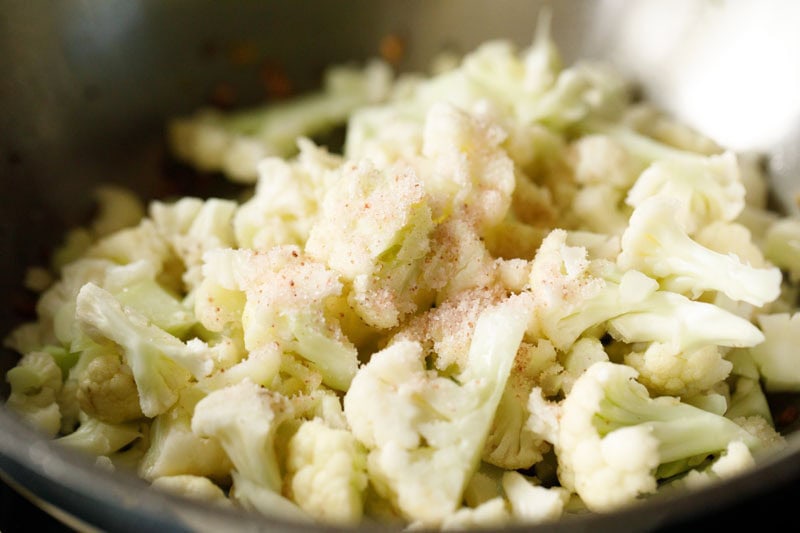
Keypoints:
(286, 295)
(374, 229)
(327, 469)
(420, 426)
(613, 436)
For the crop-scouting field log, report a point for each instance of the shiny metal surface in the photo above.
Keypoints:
(88, 85)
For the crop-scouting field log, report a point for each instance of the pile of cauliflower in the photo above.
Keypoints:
(516, 294)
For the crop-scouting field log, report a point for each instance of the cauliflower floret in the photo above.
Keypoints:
(244, 418)
(35, 383)
(683, 324)
(613, 436)
(326, 468)
(117, 208)
(446, 330)
(782, 245)
(735, 460)
(560, 282)
(599, 159)
(604, 171)
(425, 432)
(235, 142)
(573, 294)
(511, 443)
(647, 119)
(161, 363)
(769, 439)
(470, 175)
(142, 242)
(532, 503)
(192, 227)
(287, 198)
(732, 237)
(708, 186)
(491, 514)
(458, 262)
(746, 392)
(107, 390)
(374, 229)
(545, 417)
(55, 308)
(135, 283)
(591, 200)
(524, 89)
(176, 450)
(777, 357)
(656, 243)
(583, 354)
(286, 294)
(260, 366)
(665, 371)
(100, 438)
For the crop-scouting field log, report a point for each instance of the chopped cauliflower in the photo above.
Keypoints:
(512, 294)
(613, 436)
(35, 383)
(777, 357)
(327, 472)
(419, 426)
(374, 230)
(532, 503)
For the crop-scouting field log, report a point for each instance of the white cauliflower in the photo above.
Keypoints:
(142, 242)
(470, 175)
(374, 229)
(161, 363)
(244, 418)
(512, 444)
(735, 460)
(613, 436)
(287, 198)
(657, 244)
(665, 370)
(327, 473)
(573, 294)
(581, 355)
(513, 295)
(176, 450)
(235, 142)
(100, 438)
(532, 503)
(192, 227)
(107, 390)
(420, 426)
(491, 514)
(746, 391)
(35, 383)
(777, 357)
(286, 294)
(708, 187)
(782, 245)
